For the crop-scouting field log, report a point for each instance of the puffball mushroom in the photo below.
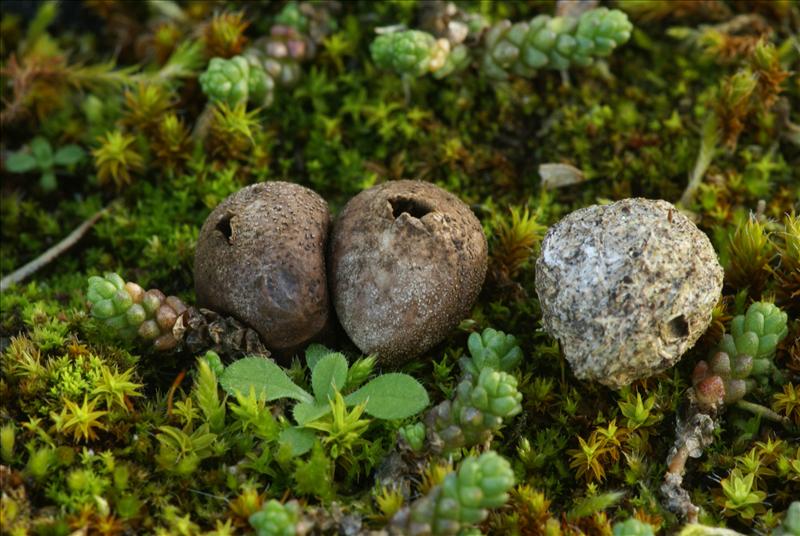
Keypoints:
(407, 262)
(261, 259)
(626, 288)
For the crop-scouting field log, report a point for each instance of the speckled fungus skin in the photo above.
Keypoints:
(626, 288)
(407, 262)
(261, 258)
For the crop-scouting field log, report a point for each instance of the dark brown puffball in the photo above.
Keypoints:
(261, 258)
(407, 262)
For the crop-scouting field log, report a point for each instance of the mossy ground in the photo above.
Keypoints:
(632, 124)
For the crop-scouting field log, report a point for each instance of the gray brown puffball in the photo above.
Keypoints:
(626, 288)
(261, 259)
(407, 262)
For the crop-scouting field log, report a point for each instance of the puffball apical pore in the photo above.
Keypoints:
(261, 258)
(407, 262)
(626, 288)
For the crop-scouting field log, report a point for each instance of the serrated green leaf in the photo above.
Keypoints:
(299, 440)
(20, 162)
(314, 353)
(391, 396)
(69, 155)
(328, 376)
(305, 412)
(267, 379)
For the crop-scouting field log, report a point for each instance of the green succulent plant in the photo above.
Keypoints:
(463, 498)
(756, 334)
(633, 527)
(553, 42)
(130, 310)
(520, 49)
(477, 412)
(744, 359)
(274, 60)
(99, 436)
(276, 519)
(485, 397)
(491, 349)
(408, 52)
(414, 435)
(236, 80)
(292, 16)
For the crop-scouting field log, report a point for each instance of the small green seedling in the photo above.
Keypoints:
(388, 396)
(39, 156)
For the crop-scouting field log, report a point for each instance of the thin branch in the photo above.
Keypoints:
(762, 411)
(48, 256)
(693, 435)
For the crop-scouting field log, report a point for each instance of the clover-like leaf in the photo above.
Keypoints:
(299, 440)
(69, 155)
(328, 376)
(20, 162)
(267, 379)
(391, 396)
(305, 412)
(42, 152)
(314, 353)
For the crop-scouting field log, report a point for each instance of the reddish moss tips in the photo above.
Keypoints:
(261, 258)
(407, 262)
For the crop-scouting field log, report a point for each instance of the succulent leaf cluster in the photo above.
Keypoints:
(491, 349)
(520, 49)
(477, 412)
(252, 75)
(130, 310)
(236, 80)
(486, 396)
(744, 359)
(757, 334)
(461, 500)
(553, 42)
(414, 53)
(276, 519)
(633, 527)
